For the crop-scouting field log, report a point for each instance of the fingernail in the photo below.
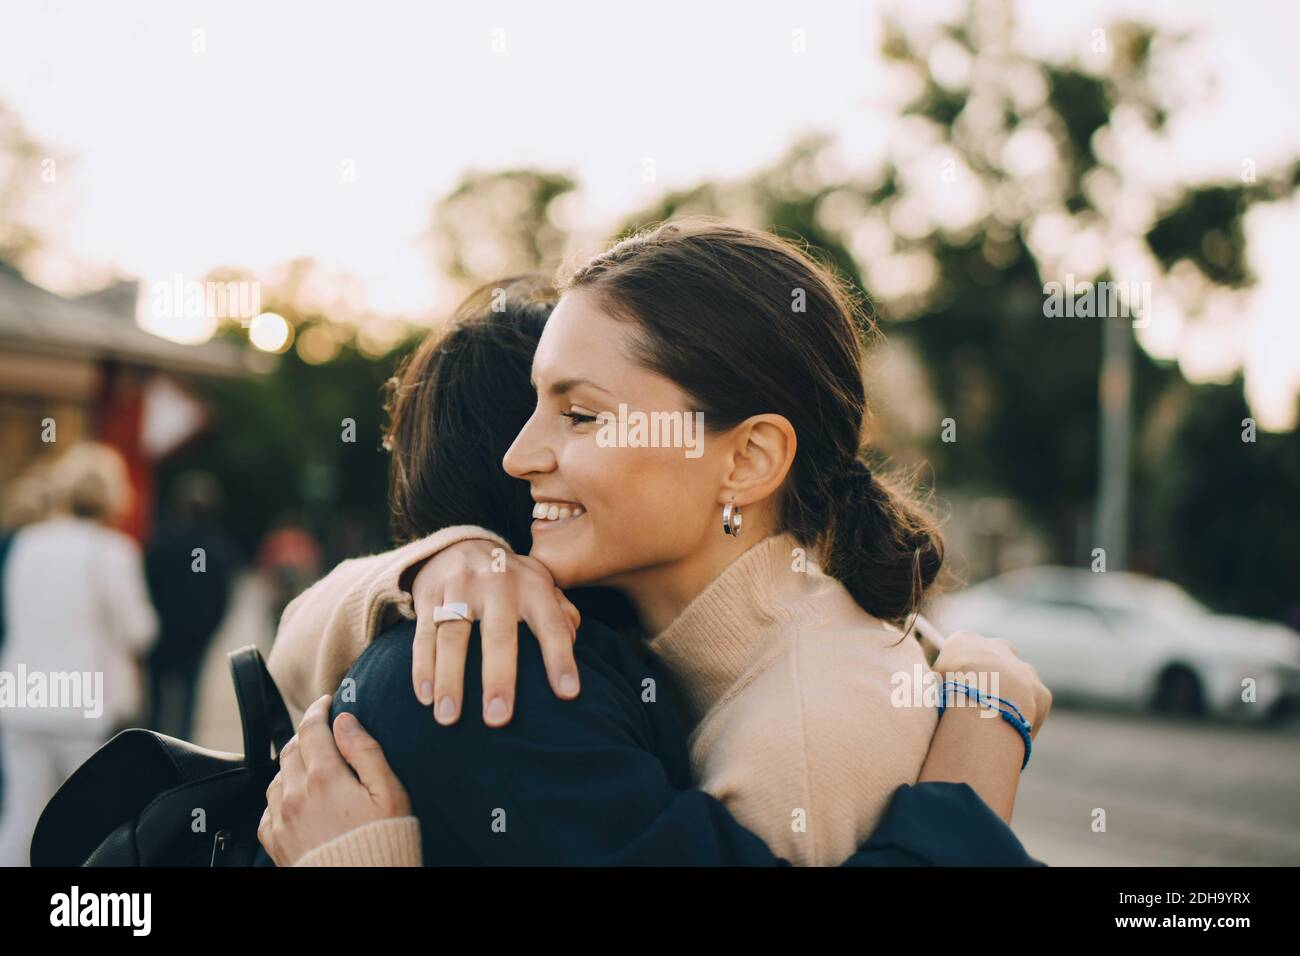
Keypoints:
(426, 693)
(346, 723)
(446, 709)
(496, 710)
(568, 684)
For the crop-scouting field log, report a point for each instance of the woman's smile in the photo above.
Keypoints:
(552, 514)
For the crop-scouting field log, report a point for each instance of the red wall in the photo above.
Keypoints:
(118, 421)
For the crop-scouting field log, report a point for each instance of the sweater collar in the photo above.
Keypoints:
(736, 620)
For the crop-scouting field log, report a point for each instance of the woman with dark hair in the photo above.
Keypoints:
(785, 645)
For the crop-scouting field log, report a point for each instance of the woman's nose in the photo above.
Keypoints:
(528, 454)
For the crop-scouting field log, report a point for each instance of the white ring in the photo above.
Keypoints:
(455, 611)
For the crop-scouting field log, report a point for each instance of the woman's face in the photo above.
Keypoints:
(632, 507)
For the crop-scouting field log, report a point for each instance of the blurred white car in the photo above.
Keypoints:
(1122, 638)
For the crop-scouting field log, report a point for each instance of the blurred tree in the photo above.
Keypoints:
(28, 169)
(1038, 139)
(1224, 503)
(1007, 175)
(498, 224)
(302, 442)
(1041, 142)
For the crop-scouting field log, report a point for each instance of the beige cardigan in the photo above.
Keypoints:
(788, 683)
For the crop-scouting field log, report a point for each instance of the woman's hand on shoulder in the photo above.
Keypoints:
(500, 589)
(966, 652)
(330, 782)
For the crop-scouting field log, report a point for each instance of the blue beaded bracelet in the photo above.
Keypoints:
(1012, 716)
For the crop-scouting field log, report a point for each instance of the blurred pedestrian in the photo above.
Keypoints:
(289, 560)
(190, 566)
(78, 618)
(26, 502)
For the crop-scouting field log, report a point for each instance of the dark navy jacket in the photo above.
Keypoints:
(604, 779)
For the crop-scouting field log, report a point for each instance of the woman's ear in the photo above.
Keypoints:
(763, 454)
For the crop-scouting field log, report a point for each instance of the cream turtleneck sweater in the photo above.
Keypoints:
(786, 680)
(789, 683)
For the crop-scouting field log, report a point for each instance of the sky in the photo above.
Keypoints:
(203, 134)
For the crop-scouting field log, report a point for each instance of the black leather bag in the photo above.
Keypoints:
(146, 799)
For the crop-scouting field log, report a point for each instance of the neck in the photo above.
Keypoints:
(661, 592)
(757, 602)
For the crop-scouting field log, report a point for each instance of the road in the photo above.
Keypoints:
(1174, 793)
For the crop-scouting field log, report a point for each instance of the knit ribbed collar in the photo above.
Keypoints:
(736, 621)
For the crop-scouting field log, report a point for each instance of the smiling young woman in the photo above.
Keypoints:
(783, 637)
(747, 331)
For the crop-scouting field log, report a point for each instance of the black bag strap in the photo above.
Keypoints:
(261, 708)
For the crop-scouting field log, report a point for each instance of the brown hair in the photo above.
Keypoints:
(454, 408)
(747, 323)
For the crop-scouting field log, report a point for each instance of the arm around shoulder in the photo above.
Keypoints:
(324, 630)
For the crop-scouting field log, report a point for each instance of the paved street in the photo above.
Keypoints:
(1174, 793)
(247, 622)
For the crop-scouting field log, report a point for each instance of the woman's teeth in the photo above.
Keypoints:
(552, 512)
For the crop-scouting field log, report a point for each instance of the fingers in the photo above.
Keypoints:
(264, 832)
(570, 611)
(1044, 706)
(273, 794)
(1007, 644)
(452, 643)
(499, 632)
(292, 768)
(315, 742)
(967, 652)
(424, 657)
(266, 835)
(366, 757)
(273, 816)
(549, 622)
(426, 595)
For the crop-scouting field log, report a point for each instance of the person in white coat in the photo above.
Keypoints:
(77, 620)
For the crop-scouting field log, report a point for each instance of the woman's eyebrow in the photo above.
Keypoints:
(569, 384)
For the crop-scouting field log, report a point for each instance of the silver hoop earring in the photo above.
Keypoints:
(731, 519)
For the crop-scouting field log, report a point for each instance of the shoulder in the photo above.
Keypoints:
(610, 675)
(830, 672)
(845, 679)
(384, 666)
(90, 536)
(108, 541)
(826, 690)
(819, 726)
(857, 661)
(104, 545)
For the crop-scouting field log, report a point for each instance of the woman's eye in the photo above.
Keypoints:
(578, 418)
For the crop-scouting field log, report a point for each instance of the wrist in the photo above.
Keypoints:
(417, 555)
(1021, 696)
(987, 704)
(392, 841)
(406, 580)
